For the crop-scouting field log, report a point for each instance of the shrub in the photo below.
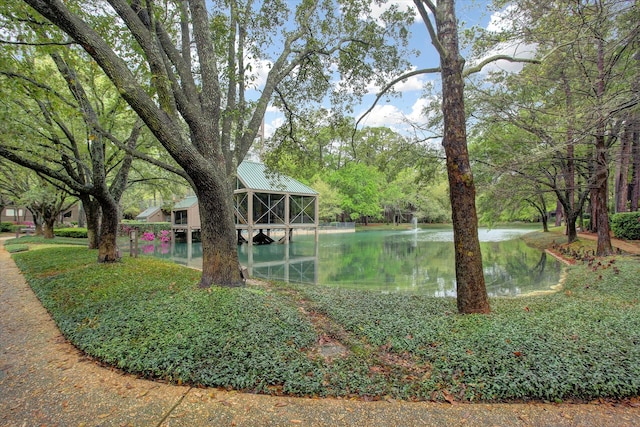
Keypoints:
(160, 230)
(78, 233)
(626, 225)
(6, 226)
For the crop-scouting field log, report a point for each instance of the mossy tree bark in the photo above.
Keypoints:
(471, 290)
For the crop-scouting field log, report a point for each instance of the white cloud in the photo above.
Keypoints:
(270, 127)
(383, 115)
(259, 70)
(411, 84)
(513, 49)
(378, 9)
(502, 20)
(417, 114)
(386, 116)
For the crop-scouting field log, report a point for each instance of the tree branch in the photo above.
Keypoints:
(390, 85)
(427, 22)
(480, 66)
(149, 159)
(69, 43)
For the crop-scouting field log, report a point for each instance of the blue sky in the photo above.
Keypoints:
(395, 111)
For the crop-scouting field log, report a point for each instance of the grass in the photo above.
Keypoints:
(40, 240)
(147, 317)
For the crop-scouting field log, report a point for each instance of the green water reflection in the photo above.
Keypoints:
(420, 261)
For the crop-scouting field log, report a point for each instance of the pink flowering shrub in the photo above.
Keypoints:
(165, 236)
(148, 236)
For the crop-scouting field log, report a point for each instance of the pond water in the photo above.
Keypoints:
(417, 261)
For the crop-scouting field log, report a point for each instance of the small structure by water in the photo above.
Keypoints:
(152, 214)
(264, 203)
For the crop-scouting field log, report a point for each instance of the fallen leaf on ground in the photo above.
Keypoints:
(449, 397)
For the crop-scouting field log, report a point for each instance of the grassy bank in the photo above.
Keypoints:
(40, 240)
(147, 317)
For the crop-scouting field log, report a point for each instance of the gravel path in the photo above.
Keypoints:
(45, 381)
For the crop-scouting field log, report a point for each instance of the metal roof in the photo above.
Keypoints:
(255, 176)
(148, 212)
(187, 202)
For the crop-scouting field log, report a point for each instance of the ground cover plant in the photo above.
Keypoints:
(40, 240)
(16, 248)
(147, 317)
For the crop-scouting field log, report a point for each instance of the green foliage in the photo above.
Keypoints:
(573, 345)
(360, 187)
(128, 314)
(16, 248)
(6, 226)
(148, 317)
(328, 200)
(327, 152)
(529, 122)
(41, 240)
(144, 227)
(77, 233)
(626, 225)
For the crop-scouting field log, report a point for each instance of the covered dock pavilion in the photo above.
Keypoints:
(267, 206)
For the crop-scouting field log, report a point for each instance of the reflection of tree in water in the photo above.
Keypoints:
(396, 262)
(513, 268)
(376, 259)
(298, 271)
(405, 262)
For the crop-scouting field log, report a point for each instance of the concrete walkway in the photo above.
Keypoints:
(45, 381)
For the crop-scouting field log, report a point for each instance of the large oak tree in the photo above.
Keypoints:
(72, 128)
(194, 98)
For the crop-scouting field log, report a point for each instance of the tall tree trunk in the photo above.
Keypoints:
(570, 223)
(544, 218)
(635, 154)
(82, 219)
(220, 264)
(592, 213)
(622, 169)
(569, 171)
(38, 222)
(600, 201)
(108, 247)
(471, 291)
(543, 213)
(568, 207)
(47, 229)
(601, 190)
(558, 222)
(92, 211)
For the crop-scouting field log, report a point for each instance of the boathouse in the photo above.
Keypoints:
(152, 214)
(267, 207)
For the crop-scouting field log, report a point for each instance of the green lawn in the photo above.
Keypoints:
(147, 317)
